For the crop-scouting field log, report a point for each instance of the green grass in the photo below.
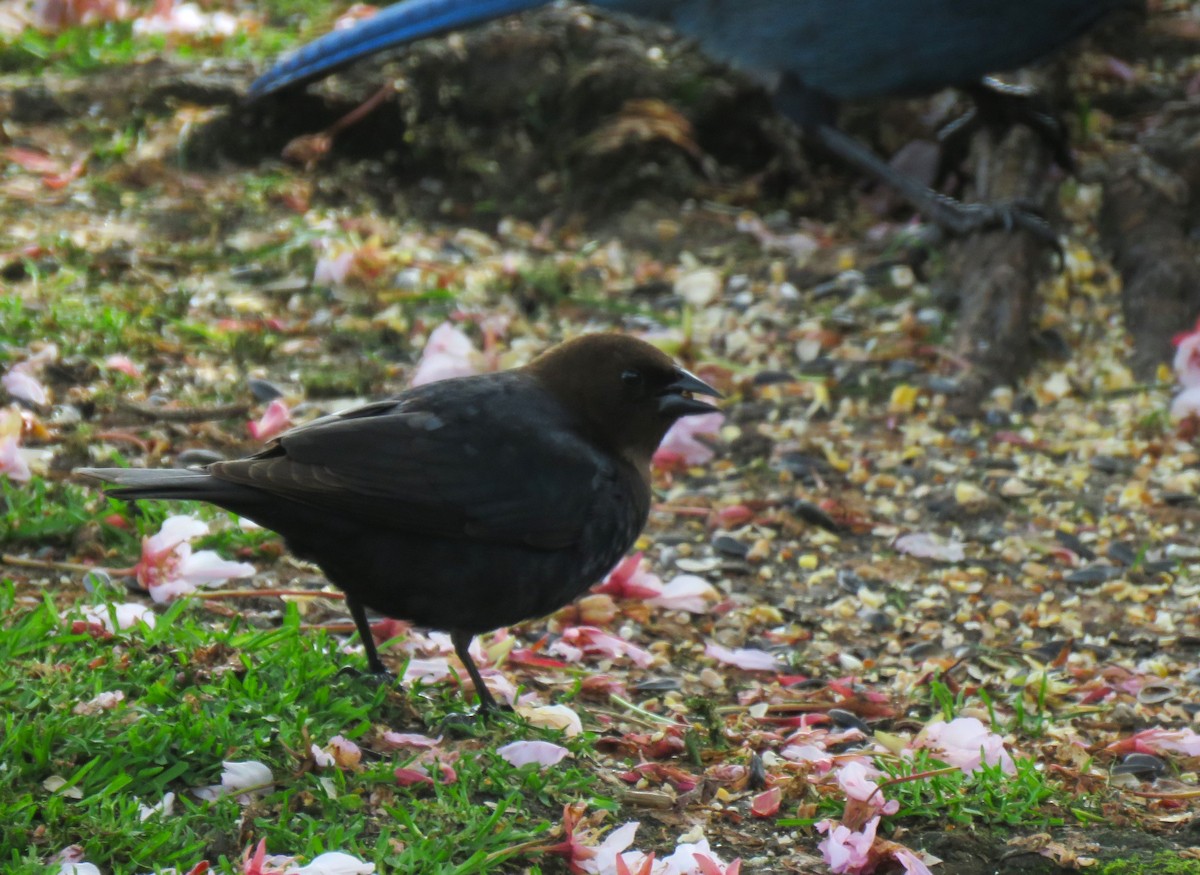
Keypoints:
(86, 49)
(1166, 863)
(40, 513)
(195, 696)
(989, 796)
(77, 50)
(928, 791)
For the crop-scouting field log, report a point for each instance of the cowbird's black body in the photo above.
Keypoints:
(810, 53)
(466, 504)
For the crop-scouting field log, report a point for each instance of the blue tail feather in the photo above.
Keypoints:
(396, 25)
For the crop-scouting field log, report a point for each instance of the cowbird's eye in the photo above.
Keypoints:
(632, 379)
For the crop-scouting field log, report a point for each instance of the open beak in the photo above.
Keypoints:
(676, 397)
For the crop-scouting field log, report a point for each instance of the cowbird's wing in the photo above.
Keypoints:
(489, 458)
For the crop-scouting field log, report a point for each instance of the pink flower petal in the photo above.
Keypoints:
(590, 641)
(847, 852)
(711, 866)
(681, 443)
(913, 865)
(687, 592)
(275, 420)
(164, 593)
(175, 530)
(745, 658)
(187, 19)
(333, 269)
(24, 386)
(123, 364)
(1159, 740)
(345, 753)
(128, 615)
(1186, 403)
(406, 777)
(631, 579)
(168, 568)
(522, 753)
(426, 670)
(855, 780)
(604, 862)
(101, 702)
(1187, 360)
(448, 353)
(206, 567)
(766, 803)
(807, 753)
(410, 739)
(12, 461)
(966, 743)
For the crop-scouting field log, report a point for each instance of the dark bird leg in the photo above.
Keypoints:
(944, 211)
(462, 646)
(999, 106)
(816, 114)
(374, 664)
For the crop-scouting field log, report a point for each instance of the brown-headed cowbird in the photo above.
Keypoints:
(466, 504)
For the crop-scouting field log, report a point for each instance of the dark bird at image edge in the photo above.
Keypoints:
(466, 504)
(811, 54)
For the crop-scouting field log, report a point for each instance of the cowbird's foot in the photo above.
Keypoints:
(376, 677)
(488, 706)
(473, 723)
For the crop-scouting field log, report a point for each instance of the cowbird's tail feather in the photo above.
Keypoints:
(159, 483)
(401, 23)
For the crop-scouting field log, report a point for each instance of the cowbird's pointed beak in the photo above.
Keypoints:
(676, 397)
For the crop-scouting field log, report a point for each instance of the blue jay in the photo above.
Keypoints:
(810, 54)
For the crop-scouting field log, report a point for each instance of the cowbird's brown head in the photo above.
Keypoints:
(626, 392)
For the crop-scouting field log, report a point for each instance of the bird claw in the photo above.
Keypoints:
(470, 723)
(999, 106)
(962, 220)
(375, 676)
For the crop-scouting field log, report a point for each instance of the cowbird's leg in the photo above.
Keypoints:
(374, 664)
(947, 213)
(462, 646)
(999, 106)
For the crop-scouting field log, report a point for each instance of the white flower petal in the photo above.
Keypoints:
(552, 717)
(175, 530)
(745, 658)
(24, 386)
(426, 670)
(687, 592)
(206, 567)
(337, 863)
(242, 775)
(165, 807)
